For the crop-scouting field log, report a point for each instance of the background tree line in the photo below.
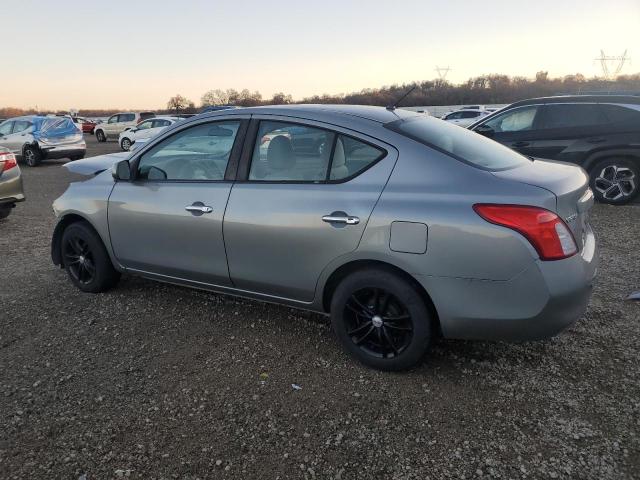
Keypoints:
(484, 89)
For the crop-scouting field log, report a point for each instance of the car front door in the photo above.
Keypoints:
(294, 209)
(167, 221)
(516, 128)
(143, 129)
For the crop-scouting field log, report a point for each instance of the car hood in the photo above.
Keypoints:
(95, 165)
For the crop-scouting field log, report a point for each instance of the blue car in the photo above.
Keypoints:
(35, 138)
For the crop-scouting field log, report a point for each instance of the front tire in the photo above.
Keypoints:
(100, 136)
(32, 155)
(615, 181)
(381, 319)
(86, 260)
(125, 144)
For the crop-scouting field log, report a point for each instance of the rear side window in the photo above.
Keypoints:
(618, 113)
(21, 126)
(459, 143)
(145, 115)
(126, 117)
(571, 115)
(286, 152)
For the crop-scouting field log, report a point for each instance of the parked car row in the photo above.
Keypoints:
(34, 138)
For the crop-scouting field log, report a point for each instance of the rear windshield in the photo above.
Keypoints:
(458, 142)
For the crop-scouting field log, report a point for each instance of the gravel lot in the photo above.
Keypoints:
(154, 381)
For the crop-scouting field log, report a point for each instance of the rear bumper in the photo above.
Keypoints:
(537, 303)
(65, 151)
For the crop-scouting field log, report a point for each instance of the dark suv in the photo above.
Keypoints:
(601, 133)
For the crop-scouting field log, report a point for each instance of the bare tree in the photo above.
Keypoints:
(178, 103)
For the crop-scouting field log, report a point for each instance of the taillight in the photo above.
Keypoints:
(7, 161)
(547, 232)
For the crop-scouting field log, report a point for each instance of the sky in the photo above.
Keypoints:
(68, 54)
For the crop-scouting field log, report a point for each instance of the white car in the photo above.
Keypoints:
(465, 117)
(147, 129)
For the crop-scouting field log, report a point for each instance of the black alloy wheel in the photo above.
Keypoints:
(378, 323)
(382, 319)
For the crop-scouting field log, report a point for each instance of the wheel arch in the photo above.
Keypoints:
(56, 239)
(345, 269)
(590, 163)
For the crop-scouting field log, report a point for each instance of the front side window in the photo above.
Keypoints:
(5, 128)
(460, 143)
(453, 116)
(113, 119)
(291, 152)
(161, 123)
(144, 125)
(200, 152)
(571, 116)
(516, 120)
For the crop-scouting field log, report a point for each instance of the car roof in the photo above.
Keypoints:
(632, 99)
(367, 112)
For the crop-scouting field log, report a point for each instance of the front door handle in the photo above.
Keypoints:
(337, 218)
(520, 144)
(596, 140)
(198, 208)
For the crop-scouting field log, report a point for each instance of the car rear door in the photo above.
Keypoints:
(567, 131)
(294, 209)
(167, 221)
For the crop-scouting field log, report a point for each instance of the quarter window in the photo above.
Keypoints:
(351, 157)
(200, 152)
(516, 120)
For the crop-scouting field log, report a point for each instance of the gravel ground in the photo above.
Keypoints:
(154, 381)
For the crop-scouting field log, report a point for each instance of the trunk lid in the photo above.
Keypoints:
(570, 185)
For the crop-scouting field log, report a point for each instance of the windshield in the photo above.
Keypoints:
(458, 142)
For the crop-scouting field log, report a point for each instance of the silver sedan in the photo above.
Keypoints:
(399, 226)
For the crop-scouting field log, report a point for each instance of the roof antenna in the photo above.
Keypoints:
(397, 102)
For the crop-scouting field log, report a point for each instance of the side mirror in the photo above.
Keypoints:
(121, 171)
(485, 130)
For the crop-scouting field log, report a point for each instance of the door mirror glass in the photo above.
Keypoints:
(121, 171)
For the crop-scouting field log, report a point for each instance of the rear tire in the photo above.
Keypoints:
(381, 319)
(86, 260)
(615, 180)
(31, 155)
(100, 136)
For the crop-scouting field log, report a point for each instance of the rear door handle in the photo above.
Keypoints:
(198, 208)
(346, 219)
(520, 144)
(596, 140)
